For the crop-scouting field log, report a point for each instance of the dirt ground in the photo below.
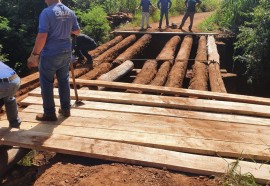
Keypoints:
(49, 169)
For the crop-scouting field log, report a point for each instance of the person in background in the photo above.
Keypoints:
(145, 4)
(53, 43)
(164, 6)
(82, 44)
(190, 12)
(9, 84)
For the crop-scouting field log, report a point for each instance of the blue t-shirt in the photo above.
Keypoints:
(191, 5)
(145, 4)
(164, 4)
(5, 71)
(58, 21)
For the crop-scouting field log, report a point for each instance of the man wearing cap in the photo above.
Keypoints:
(9, 84)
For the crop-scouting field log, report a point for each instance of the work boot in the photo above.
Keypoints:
(65, 113)
(46, 117)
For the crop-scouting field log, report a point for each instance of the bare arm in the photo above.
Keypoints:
(39, 43)
(76, 32)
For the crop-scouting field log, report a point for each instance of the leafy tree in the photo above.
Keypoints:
(95, 24)
(253, 45)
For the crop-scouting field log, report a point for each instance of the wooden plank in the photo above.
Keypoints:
(176, 91)
(155, 111)
(167, 142)
(182, 129)
(169, 102)
(165, 33)
(126, 153)
(150, 121)
(29, 79)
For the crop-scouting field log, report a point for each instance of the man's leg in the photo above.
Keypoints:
(184, 20)
(1, 103)
(143, 17)
(62, 75)
(147, 19)
(167, 18)
(47, 70)
(161, 17)
(11, 104)
(191, 16)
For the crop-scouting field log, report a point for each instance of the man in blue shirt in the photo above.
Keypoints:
(9, 84)
(145, 4)
(53, 43)
(164, 6)
(190, 12)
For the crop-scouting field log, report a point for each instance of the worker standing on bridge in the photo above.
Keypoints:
(164, 6)
(82, 44)
(9, 84)
(145, 4)
(53, 43)
(190, 12)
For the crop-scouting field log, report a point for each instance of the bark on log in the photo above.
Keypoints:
(178, 71)
(98, 71)
(134, 50)
(146, 75)
(113, 52)
(168, 52)
(117, 72)
(199, 69)
(102, 48)
(162, 74)
(216, 81)
(10, 156)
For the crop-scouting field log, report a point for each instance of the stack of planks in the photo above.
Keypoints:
(201, 135)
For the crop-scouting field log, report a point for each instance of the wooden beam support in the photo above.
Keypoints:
(177, 91)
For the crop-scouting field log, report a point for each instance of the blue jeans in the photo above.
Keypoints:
(162, 13)
(7, 92)
(48, 67)
(191, 17)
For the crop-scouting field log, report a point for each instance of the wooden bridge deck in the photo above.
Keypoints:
(200, 135)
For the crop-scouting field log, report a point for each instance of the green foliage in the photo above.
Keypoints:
(95, 24)
(28, 159)
(234, 176)
(234, 13)
(4, 24)
(209, 24)
(253, 45)
(3, 57)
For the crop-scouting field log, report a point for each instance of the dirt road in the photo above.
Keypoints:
(199, 17)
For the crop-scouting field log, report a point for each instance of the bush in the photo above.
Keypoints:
(253, 45)
(95, 24)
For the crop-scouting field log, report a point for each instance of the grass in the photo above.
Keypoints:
(234, 177)
(28, 159)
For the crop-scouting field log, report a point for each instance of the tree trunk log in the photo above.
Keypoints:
(134, 50)
(98, 71)
(162, 74)
(178, 71)
(113, 52)
(168, 52)
(199, 69)
(146, 75)
(102, 48)
(216, 81)
(117, 72)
